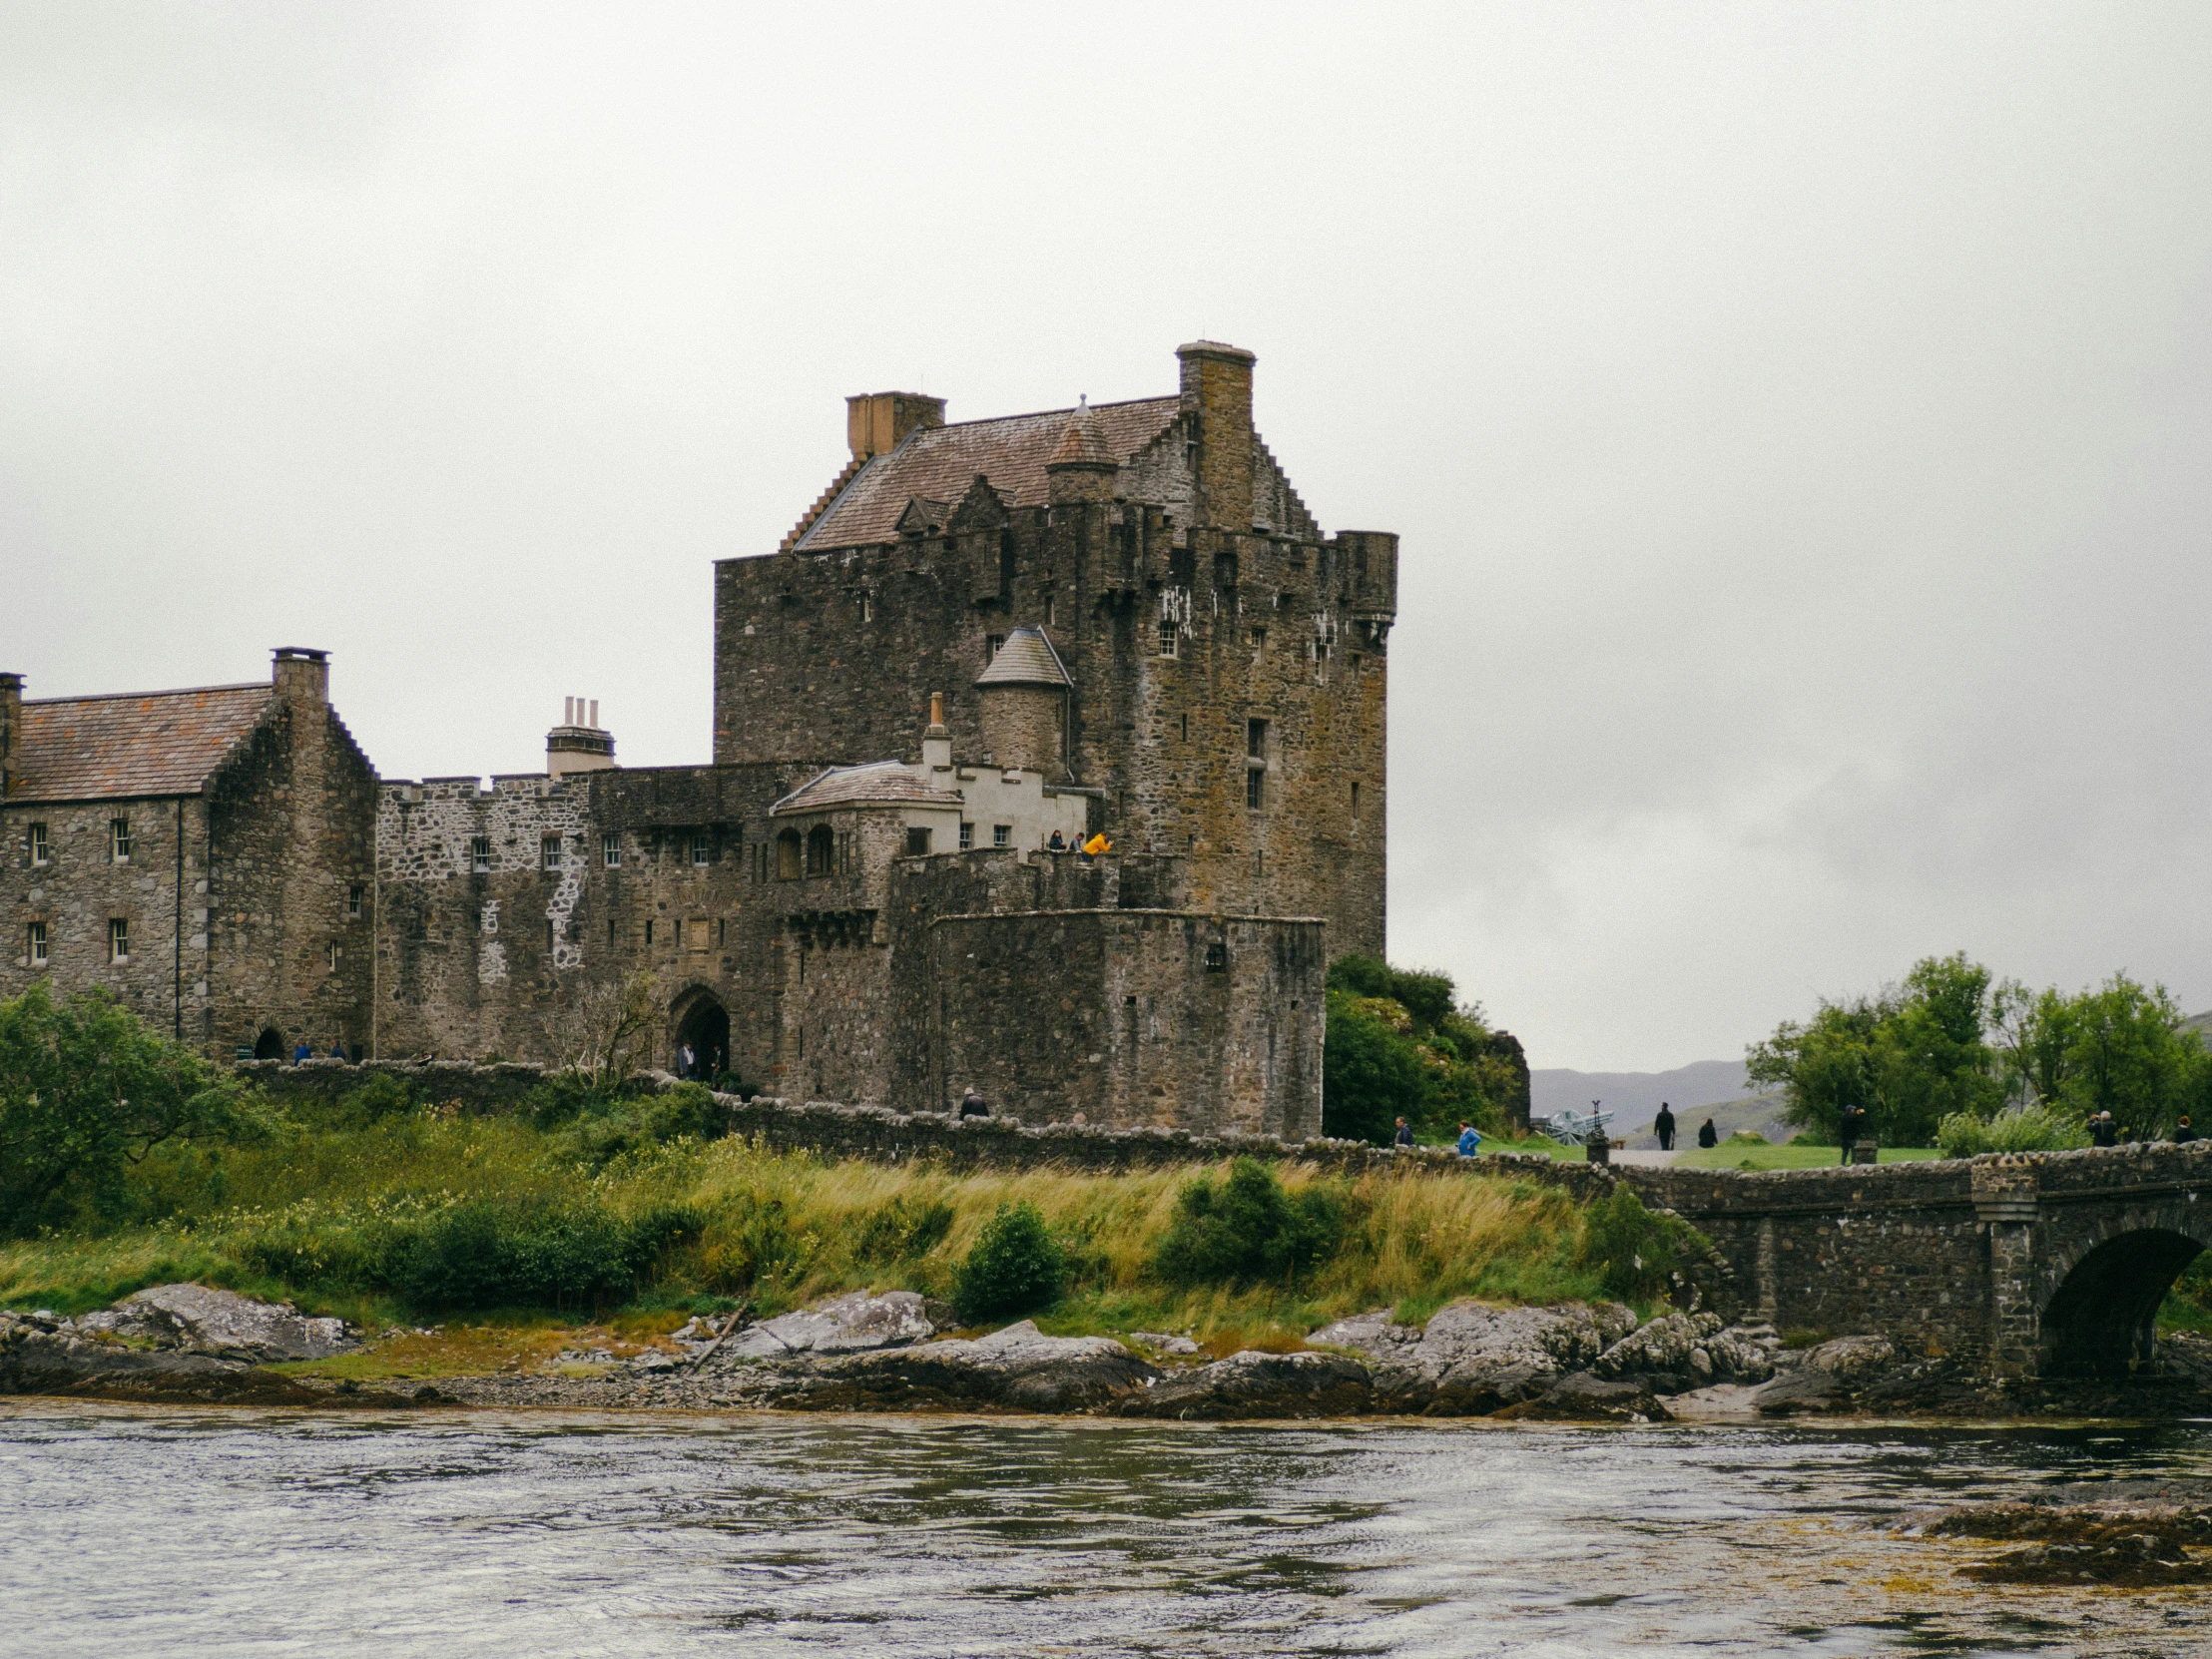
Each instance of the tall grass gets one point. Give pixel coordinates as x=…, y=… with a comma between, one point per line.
x=412, y=1216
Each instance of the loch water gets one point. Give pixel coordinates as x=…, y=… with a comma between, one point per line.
x=142, y=1532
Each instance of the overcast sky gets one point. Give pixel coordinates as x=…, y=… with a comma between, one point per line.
x=1799, y=418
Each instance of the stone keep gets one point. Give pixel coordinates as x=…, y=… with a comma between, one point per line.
x=983, y=635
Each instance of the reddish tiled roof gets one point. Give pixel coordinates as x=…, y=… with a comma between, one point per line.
x=135, y=743
x=939, y=462
x=880, y=782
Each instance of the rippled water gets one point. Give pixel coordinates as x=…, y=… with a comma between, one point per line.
x=127, y=1532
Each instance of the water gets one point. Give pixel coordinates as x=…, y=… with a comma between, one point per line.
x=126, y=1532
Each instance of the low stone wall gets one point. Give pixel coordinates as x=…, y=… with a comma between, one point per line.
x=460, y=1085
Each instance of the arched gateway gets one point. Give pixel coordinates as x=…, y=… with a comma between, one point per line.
x=698, y=1019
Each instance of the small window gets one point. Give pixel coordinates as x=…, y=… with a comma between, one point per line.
x=790, y=859
x=822, y=853
x=1217, y=958
x=993, y=644
x=1186, y=727
x=1002, y=834
x=1051, y=610
x=480, y=853
x=610, y=850
x=353, y=896
x=702, y=846
x=549, y=851
x=1259, y=641
x=917, y=841
x=1255, y=741
x=37, y=944
x=119, y=940
x=119, y=839
x=333, y=956
x=867, y=606
x=1355, y=803
x=38, y=844
x=1256, y=788
x=647, y=929
x=1358, y=665
x=1170, y=640
x=967, y=834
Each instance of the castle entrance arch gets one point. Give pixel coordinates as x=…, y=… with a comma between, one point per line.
x=270, y=1045
x=2102, y=1321
x=698, y=1018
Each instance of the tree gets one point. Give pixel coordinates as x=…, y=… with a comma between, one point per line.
x=87, y=1091
x=608, y=1032
x=1401, y=1044
x=2124, y=1052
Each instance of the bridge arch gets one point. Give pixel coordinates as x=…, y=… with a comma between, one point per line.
x=2098, y=1301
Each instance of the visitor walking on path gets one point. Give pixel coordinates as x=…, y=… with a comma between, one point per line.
x=1664, y=1125
x=1469, y=1139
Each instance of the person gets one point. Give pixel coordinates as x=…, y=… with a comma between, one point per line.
x=1469, y=1139
x=1405, y=1133
x=1855, y=1125
x=2103, y=1131
x=1663, y=1125
x=306, y=1051
x=686, y=1061
x=1707, y=1135
x=1096, y=844
x=337, y=1051
x=1058, y=843
x=973, y=1105
x=2183, y=1131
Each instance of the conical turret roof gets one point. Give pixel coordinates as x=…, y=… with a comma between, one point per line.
x=1027, y=659
x=1084, y=441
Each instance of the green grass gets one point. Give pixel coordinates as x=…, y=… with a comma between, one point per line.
x=1797, y=1155
x=342, y=1220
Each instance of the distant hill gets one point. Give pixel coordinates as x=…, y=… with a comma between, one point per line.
x=1716, y=1089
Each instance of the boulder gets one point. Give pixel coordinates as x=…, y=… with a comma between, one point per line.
x=50, y=1357
x=1018, y=1368
x=1664, y=1344
x=220, y=1324
x=1744, y=1352
x=1853, y=1360
x=851, y=1323
x=1472, y=1358
x=1800, y=1390
x=1583, y=1396
x=1255, y=1384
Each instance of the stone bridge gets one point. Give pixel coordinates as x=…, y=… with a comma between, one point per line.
x=2026, y=1264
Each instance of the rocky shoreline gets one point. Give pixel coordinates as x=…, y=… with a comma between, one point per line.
x=895, y=1352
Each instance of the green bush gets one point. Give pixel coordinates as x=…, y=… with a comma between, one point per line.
x=900, y=1231
x=1248, y=1230
x=1016, y=1266
x=604, y=1130
x=758, y=1247
x=1633, y=1252
x=383, y=1096
x=2023, y=1128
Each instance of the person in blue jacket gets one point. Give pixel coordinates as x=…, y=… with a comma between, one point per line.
x=1469, y=1138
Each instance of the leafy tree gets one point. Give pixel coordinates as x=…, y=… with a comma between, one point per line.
x=2121, y=1050
x=1015, y=1266
x=1401, y=1044
x=86, y=1091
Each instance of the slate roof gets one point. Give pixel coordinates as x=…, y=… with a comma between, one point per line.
x=130, y=744
x=1027, y=659
x=938, y=463
x=880, y=782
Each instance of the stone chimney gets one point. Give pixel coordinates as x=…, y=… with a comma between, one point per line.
x=579, y=743
x=936, y=740
x=877, y=423
x=1083, y=468
x=301, y=674
x=1217, y=403
x=11, y=728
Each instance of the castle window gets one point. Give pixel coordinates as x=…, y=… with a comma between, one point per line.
x=36, y=941
x=967, y=834
x=38, y=844
x=917, y=841
x=992, y=644
x=700, y=847
x=867, y=606
x=1169, y=639
x=353, y=897
x=1217, y=958
x=549, y=851
x=1051, y=611
x=821, y=856
x=119, y=839
x=119, y=940
x=480, y=853
x=1255, y=741
x=1256, y=789
x=1186, y=727
x=1256, y=763
x=610, y=850
x=649, y=930
x=332, y=953
x=788, y=856
x=1259, y=641
x=1002, y=834
x=1006, y=564
x=1355, y=803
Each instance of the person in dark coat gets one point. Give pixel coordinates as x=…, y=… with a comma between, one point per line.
x=1707, y=1135
x=2103, y=1131
x=2183, y=1131
x=1663, y=1125
x=973, y=1105
x=1405, y=1132
x=1855, y=1125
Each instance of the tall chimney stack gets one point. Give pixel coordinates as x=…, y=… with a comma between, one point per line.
x=936, y=740
x=11, y=728
x=1217, y=401
x=300, y=673
x=574, y=745
x=877, y=422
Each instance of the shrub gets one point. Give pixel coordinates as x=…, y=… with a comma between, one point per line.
x=1248, y=1229
x=2023, y=1128
x=604, y=1130
x=383, y=1096
x=900, y=1231
x=1016, y=1266
x=489, y=1255
x=1633, y=1252
x=760, y=1246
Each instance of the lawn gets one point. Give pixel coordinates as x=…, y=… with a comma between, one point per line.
x=1797, y=1155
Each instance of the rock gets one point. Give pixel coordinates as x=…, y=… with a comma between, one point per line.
x=1662, y=1345
x=1701, y=1366
x=854, y=1322
x=1805, y=1388
x=198, y=1320
x=1252, y=1384
x=1159, y=1342
x=1723, y=1401
x=1473, y=1359
x=1583, y=1396
x=1744, y=1352
x=1852, y=1360
x=1018, y=1368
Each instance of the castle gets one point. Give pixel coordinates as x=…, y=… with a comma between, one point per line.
x=985, y=642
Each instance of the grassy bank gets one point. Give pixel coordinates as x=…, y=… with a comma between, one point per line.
x=491, y=1224
x=1797, y=1155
